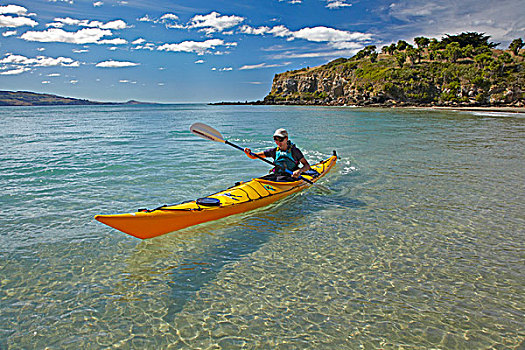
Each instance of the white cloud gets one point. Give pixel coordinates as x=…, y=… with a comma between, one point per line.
x=13, y=9
x=336, y=38
x=246, y=29
x=9, y=33
x=280, y=31
x=316, y=34
x=39, y=61
x=14, y=71
x=168, y=19
x=325, y=34
x=46, y=82
x=12, y=22
x=346, y=45
x=169, y=16
x=116, y=41
x=145, y=18
x=262, y=65
x=80, y=51
x=54, y=75
x=116, y=64
x=199, y=62
x=147, y=46
x=404, y=11
x=225, y=69
x=335, y=4
x=126, y=81
x=83, y=36
x=214, y=22
x=199, y=47
x=98, y=4
x=115, y=25
x=17, y=64
x=277, y=31
x=73, y=81
x=210, y=23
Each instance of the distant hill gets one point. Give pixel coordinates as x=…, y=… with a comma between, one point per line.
x=26, y=98
x=461, y=70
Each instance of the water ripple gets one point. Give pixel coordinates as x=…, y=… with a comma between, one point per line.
x=418, y=243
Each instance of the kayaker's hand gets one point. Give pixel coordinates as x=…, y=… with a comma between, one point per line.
x=249, y=153
x=297, y=173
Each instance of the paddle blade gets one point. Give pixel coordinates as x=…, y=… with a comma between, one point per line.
x=206, y=132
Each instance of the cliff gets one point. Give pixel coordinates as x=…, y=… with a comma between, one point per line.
x=496, y=79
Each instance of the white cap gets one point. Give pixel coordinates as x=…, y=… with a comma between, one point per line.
x=280, y=133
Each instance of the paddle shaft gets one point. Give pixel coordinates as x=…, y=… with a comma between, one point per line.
x=253, y=154
x=265, y=160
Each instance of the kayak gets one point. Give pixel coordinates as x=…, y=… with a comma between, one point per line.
x=242, y=197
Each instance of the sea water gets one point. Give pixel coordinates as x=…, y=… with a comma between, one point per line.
x=418, y=243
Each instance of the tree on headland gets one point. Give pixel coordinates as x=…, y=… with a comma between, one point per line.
x=483, y=59
x=369, y=50
x=468, y=51
x=516, y=45
x=373, y=57
x=453, y=52
x=433, y=47
x=413, y=54
x=402, y=45
x=422, y=42
x=472, y=38
x=392, y=48
x=450, y=48
x=401, y=58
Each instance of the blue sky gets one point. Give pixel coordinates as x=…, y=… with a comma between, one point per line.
x=209, y=51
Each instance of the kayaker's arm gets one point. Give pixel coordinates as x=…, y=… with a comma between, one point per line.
x=305, y=167
x=253, y=155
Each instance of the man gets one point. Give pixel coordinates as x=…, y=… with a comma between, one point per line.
x=286, y=156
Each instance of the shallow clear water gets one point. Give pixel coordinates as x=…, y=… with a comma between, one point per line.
x=418, y=244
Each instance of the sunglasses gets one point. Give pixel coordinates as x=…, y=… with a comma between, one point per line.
x=279, y=138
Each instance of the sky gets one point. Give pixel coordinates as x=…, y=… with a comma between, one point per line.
x=193, y=51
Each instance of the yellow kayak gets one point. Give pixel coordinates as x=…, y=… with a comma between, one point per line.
x=242, y=197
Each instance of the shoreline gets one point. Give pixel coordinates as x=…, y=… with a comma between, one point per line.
x=482, y=109
x=506, y=109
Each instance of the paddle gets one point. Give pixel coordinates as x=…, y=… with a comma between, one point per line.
x=209, y=133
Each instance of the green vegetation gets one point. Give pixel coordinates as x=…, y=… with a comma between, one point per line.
x=462, y=69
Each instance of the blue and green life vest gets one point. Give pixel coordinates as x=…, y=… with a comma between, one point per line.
x=284, y=159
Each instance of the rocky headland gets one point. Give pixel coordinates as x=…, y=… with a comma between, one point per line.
x=458, y=71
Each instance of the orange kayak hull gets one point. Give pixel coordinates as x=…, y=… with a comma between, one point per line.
x=238, y=199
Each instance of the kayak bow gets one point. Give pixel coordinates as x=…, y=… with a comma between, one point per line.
x=242, y=197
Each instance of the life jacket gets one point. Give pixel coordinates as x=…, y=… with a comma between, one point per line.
x=284, y=159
